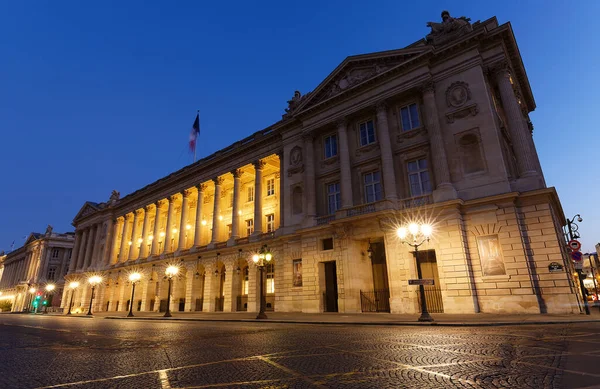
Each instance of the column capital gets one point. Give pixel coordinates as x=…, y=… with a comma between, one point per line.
x=218, y=180
x=185, y=193
x=308, y=137
x=341, y=122
x=259, y=164
x=148, y=207
x=201, y=187
x=159, y=204
x=127, y=216
x=172, y=198
x=138, y=212
x=500, y=69
x=381, y=106
x=237, y=173
x=428, y=87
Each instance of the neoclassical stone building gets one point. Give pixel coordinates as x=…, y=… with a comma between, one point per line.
x=436, y=131
x=43, y=259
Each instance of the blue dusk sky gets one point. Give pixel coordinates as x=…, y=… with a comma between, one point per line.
x=96, y=96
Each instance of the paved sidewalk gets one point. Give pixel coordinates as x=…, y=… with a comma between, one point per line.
x=441, y=319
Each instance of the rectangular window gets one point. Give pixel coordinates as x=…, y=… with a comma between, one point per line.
x=55, y=253
x=490, y=255
x=270, y=187
x=297, y=272
x=410, y=117
x=418, y=178
x=228, y=231
x=333, y=197
x=372, y=183
x=367, y=133
x=250, y=193
x=51, y=273
x=331, y=146
x=270, y=222
x=249, y=227
x=245, y=283
x=327, y=244
x=270, y=270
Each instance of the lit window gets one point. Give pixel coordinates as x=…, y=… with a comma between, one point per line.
x=249, y=227
x=51, y=273
x=55, y=253
x=367, y=133
x=250, y=193
x=410, y=117
x=245, y=282
x=372, y=187
x=270, y=187
x=270, y=222
x=331, y=146
x=333, y=197
x=418, y=177
x=270, y=269
x=229, y=231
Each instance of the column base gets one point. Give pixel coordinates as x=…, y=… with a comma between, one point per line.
x=529, y=181
x=444, y=192
x=211, y=245
x=231, y=241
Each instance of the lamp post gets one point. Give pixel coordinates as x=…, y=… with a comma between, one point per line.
x=134, y=278
x=49, y=288
x=261, y=259
x=93, y=281
x=72, y=285
x=420, y=234
x=169, y=274
x=573, y=233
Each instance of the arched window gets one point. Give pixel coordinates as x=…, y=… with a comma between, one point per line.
x=270, y=270
x=245, y=282
x=472, y=159
x=297, y=200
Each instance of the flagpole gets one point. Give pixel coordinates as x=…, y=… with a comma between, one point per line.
x=196, y=144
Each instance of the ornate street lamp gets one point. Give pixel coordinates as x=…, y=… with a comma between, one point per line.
x=93, y=281
x=72, y=285
x=169, y=274
x=420, y=234
x=573, y=233
x=49, y=288
x=134, y=278
x=261, y=260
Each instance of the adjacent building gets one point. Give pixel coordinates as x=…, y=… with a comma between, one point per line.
x=26, y=272
x=436, y=132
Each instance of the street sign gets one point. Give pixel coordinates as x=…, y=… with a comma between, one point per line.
x=425, y=281
x=574, y=245
x=577, y=256
x=578, y=265
x=555, y=267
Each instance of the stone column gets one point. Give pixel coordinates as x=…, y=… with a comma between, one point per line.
x=122, y=297
x=229, y=297
x=281, y=191
x=145, y=285
x=134, y=232
x=111, y=298
x=108, y=242
x=310, y=204
x=81, y=252
x=182, y=224
x=96, y=253
x=145, y=226
x=345, y=168
x=89, y=250
x=114, y=255
x=387, y=157
x=216, y=211
x=258, y=197
x=156, y=235
x=169, y=228
x=235, y=216
x=208, y=302
x=124, y=239
x=189, y=284
x=444, y=189
x=198, y=227
x=516, y=123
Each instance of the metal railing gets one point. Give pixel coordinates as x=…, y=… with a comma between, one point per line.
x=361, y=210
x=375, y=301
x=433, y=296
x=414, y=202
x=322, y=220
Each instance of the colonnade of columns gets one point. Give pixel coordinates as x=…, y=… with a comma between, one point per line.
x=88, y=250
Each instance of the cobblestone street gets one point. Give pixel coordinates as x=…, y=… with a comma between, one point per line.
x=60, y=352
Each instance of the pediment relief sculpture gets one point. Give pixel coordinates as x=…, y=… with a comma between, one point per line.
x=449, y=29
x=296, y=165
x=294, y=103
x=353, y=77
x=457, y=94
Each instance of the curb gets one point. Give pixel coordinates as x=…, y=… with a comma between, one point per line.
x=433, y=324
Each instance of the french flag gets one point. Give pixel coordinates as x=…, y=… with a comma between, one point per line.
x=195, y=133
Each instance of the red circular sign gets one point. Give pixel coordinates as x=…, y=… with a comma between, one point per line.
x=574, y=244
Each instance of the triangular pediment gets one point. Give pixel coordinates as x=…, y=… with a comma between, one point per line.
x=87, y=209
x=32, y=237
x=357, y=70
